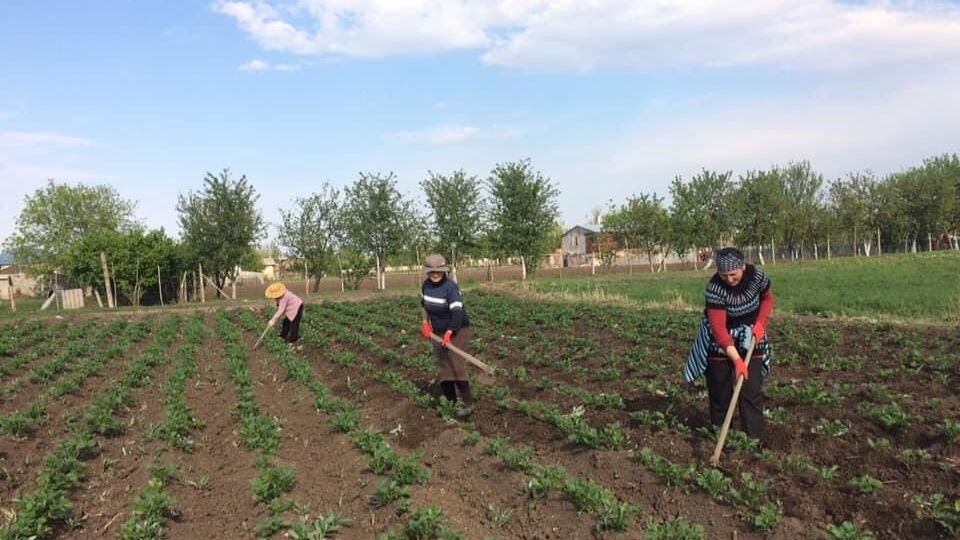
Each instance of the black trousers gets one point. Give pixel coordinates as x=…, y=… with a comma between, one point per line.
x=720, y=382
x=290, y=330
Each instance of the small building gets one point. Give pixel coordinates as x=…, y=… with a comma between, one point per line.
x=269, y=268
x=580, y=240
x=13, y=281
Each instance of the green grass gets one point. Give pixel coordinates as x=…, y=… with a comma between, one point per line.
x=923, y=286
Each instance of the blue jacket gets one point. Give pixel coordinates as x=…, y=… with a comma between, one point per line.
x=444, y=304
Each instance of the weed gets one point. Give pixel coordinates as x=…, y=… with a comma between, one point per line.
x=270, y=526
x=848, y=531
x=939, y=508
x=387, y=492
x=767, y=517
x=408, y=471
x=911, y=458
x=950, y=429
x=827, y=473
x=543, y=479
x=345, y=421
x=517, y=458
x=471, y=439
x=830, y=428
x=879, y=443
x=200, y=484
x=677, y=528
x=272, y=482
x=866, y=484
x=713, y=482
x=585, y=494
x=497, y=517
x=321, y=527
x=616, y=516
x=424, y=523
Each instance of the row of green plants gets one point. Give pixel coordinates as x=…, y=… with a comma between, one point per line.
x=80, y=354
x=889, y=415
x=42, y=511
x=152, y=504
x=585, y=494
x=24, y=343
x=399, y=473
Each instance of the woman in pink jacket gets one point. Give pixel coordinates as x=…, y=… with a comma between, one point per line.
x=290, y=307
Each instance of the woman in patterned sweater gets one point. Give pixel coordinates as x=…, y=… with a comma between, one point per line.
x=738, y=305
x=443, y=313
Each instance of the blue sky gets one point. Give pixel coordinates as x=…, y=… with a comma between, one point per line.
x=608, y=98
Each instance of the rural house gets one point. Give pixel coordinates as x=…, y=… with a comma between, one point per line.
x=580, y=243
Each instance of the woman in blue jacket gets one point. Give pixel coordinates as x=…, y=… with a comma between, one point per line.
x=444, y=314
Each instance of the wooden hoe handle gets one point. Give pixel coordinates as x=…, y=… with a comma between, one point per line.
x=715, y=459
x=259, y=339
x=465, y=355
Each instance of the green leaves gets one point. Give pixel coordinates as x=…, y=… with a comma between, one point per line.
x=58, y=216
x=310, y=228
x=376, y=219
x=523, y=211
x=220, y=224
x=457, y=211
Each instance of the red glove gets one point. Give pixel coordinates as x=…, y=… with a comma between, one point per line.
x=447, y=336
x=426, y=330
x=759, y=331
x=740, y=369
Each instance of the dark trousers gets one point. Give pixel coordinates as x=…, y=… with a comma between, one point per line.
x=290, y=331
x=720, y=382
x=452, y=388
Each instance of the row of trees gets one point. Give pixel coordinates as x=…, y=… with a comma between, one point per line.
x=352, y=233
x=369, y=224
x=790, y=210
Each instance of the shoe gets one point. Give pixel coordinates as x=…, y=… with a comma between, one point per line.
x=465, y=411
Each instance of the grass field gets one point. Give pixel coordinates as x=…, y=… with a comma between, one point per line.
x=923, y=286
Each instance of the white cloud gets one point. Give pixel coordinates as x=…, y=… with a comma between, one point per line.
x=452, y=134
x=435, y=136
x=569, y=35
x=377, y=28
x=255, y=65
x=260, y=65
x=838, y=132
x=34, y=138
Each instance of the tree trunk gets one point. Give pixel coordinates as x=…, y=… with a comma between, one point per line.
x=379, y=269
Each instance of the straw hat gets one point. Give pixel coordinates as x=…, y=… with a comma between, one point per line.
x=435, y=263
x=275, y=290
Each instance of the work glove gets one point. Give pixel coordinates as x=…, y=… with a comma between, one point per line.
x=425, y=329
x=759, y=331
x=740, y=369
x=447, y=337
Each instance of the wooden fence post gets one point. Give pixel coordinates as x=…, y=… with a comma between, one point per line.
x=106, y=280
x=159, y=286
x=203, y=295
x=13, y=303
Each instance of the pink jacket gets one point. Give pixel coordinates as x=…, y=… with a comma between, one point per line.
x=288, y=305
